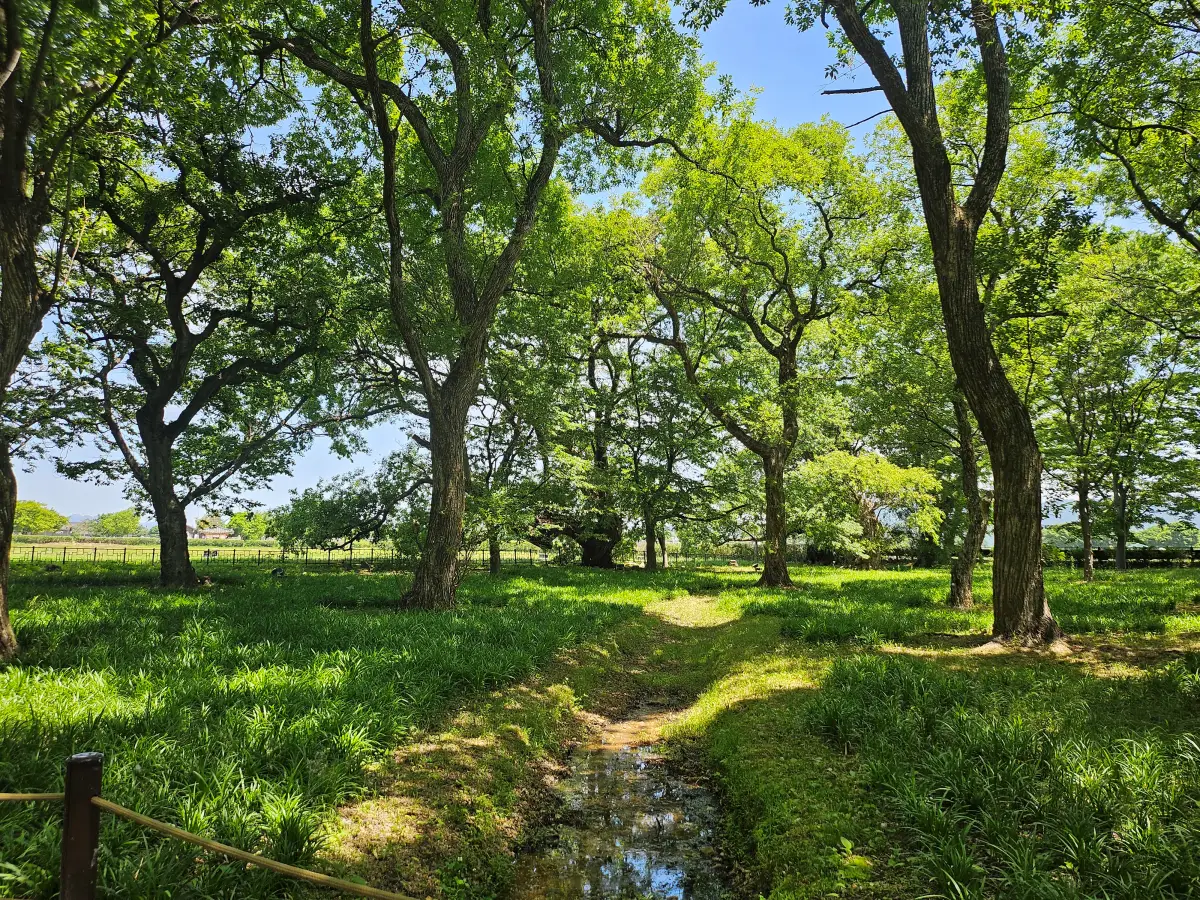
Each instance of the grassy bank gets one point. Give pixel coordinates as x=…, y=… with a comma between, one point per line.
x=864, y=739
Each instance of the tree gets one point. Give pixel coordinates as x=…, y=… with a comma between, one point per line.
x=37, y=518
x=60, y=64
x=907, y=405
x=355, y=507
x=1119, y=395
x=926, y=34
x=210, y=310
x=758, y=243
x=1122, y=76
x=249, y=525
x=668, y=448
x=126, y=523
x=468, y=109
x=861, y=504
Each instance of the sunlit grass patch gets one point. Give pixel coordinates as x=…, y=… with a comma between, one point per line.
x=247, y=712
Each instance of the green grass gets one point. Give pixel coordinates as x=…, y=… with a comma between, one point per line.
x=861, y=747
x=1032, y=781
x=247, y=711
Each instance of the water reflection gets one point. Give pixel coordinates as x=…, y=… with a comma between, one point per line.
x=632, y=829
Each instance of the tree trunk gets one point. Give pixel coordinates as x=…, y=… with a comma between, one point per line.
x=175, y=561
x=651, y=542
x=597, y=552
x=1085, y=527
x=962, y=572
x=1121, y=522
x=662, y=546
x=775, y=570
x=22, y=308
x=1019, y=607
x=8, y=508
x=435, y=581
x=493, y=552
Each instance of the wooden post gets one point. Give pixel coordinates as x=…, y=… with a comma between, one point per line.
x=81, y=827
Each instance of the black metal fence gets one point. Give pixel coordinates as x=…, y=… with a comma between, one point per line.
x=385, y=558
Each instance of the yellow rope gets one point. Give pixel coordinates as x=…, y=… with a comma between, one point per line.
x=254, y=859
x=31, y=798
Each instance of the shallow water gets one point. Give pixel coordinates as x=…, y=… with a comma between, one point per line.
x=631, y=827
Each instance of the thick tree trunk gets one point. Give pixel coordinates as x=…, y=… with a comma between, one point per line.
x=1085, y=527
x=962, y=572
x=651, y=538
x=175, y=561
x=435, y=581
x=493, y=552
x=1019, y=607
x=22, y=308
x=597, y=552
x=775, y=570
x=8, y=505
x=1121, y=523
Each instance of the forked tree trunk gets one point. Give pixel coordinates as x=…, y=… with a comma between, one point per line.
x=1085, y=527
x=435, y=581
x=662, y=546
x=8, y=507
x=1019, y=607
x=775, y=570
x=1019, y=603
x=493, y=552
x=651, y=538
x=962, y=572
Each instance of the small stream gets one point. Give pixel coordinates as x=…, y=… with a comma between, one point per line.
x=631, y=827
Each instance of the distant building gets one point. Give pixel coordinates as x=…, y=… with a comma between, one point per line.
x=214, y=534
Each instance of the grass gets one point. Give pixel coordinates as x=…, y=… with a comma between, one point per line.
x=862, y=742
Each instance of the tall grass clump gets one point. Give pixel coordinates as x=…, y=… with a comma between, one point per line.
x=1024, y=782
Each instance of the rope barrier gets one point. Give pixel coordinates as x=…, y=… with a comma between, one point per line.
x=31, y=798
x=348, y=887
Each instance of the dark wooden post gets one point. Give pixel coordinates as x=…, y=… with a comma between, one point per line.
x=81, y=827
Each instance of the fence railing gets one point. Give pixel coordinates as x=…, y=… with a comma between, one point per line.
x=82, y=804
x=371, y=556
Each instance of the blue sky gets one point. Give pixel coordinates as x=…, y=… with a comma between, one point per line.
x=753, y=45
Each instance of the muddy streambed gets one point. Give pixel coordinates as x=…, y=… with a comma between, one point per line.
x=631, y=827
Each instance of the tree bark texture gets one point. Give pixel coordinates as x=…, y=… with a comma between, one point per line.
x=1121, y=522
x=962, y=572
x=775, y=570
x=22, y=308
x=435, y=581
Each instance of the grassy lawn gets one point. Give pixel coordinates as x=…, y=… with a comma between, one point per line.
x=865, y=740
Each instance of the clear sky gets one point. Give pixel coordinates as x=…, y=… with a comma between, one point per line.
x=753, y=45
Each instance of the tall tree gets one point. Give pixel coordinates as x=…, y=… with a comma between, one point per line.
x=469, y=108
x=761, y=239
x=60, y=64
x=970, y=29
x=208, y=299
